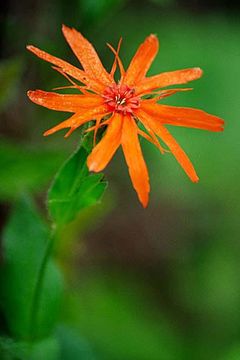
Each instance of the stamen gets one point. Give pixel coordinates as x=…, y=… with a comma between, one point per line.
x=121, y=98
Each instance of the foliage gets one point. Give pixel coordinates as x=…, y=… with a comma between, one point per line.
x=24, y=243
x=167, y=291
x=74, y=188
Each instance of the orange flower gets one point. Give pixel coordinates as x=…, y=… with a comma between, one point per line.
x=121, y=106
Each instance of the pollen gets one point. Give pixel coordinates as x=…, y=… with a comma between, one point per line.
x=121, y=98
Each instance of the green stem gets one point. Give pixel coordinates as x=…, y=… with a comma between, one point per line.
x=39, y=285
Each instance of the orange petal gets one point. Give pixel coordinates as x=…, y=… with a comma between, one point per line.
x=168, y=92
x=169, y=140
x=62, y=102
x=97, y=125
x=151, y=140
x=181, y=116
x=167, y=79
x=135, y=161
x=141, y=61
x=105, y=149
x=117, y=58
x=65, y=66
x=77, y=120
x=87, y=56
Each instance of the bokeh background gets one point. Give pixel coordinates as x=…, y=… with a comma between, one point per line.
x=155, y=284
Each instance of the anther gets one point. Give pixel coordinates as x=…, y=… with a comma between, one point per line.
x=121, y=98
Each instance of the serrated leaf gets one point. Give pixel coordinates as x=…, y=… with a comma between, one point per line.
x=24, y=244
x=74, y=188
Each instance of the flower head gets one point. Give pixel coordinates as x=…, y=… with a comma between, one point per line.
x=121, y=106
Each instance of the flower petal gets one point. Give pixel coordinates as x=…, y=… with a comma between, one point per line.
x=87, y=56
x=65, y=66
x=181, y=116
x=135, y=161
x=78, y=119
x=141, y=61
x=105, y=149
x=169, y=140
x=167, y=79
x=168, y=92
x=62, y=102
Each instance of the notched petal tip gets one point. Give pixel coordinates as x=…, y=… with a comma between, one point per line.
x=37, y=96
x=144, y=203
x=153, y=37
x=29, y=93
x=91, y=166
x=198, y=71
x=53, y=130
x=47, y=133
x=33, y=94
x=66, y=28
x=70, y=131
x=195, y=180
x=153, y=41
x=31, y=48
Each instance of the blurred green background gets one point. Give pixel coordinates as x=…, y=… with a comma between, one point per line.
x=155, y=284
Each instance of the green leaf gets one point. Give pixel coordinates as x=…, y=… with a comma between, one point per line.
x=74, y=188
x=24, y=244
x=25, y=169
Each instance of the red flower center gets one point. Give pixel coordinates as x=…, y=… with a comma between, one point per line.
x=121, y=98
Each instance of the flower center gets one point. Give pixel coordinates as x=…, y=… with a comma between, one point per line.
x=121, y=98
